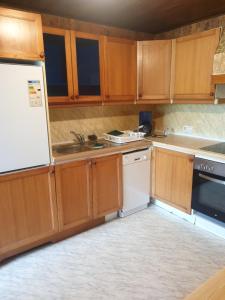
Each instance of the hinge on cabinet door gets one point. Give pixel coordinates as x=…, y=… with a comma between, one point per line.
x=52, y=169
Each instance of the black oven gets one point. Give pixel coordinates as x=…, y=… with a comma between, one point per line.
x=208, y=190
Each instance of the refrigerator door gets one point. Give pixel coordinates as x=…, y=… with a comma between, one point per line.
x=23, y=123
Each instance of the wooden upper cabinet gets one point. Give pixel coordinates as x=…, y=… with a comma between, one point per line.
x=58, y=65
x=120, y=69
x=87, y=67
x=74, y=194
x=27, y=209
x=154, y=71
x=194, y=66
x=20, y=35
x=172, y=178
x=107, y=185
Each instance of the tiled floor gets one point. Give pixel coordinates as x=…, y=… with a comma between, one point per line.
x=149, y=255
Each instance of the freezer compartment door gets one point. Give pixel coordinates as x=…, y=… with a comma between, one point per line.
x=23, y=122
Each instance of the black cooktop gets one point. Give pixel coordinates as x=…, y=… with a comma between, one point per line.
x=217, y=148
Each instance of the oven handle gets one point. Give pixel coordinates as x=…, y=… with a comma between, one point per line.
x=211, y=179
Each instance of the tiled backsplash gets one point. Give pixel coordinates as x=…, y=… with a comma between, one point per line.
x=96, y=119
x=208, y=121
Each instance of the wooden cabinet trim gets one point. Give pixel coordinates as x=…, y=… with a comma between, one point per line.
x=22, y=173
x=198, y=35
x=202, y=92
x=173, y=186
x=118, y=204
x=12, y=180
x=66, y=34
x=100, y=39
x=110, y=97
x=163, y=91
x=22, y=15
x=59, y=168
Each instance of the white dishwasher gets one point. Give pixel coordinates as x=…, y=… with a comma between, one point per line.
x=136, y=181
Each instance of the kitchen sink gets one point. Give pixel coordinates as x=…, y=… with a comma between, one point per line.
x=69, y=148
x=75, y=148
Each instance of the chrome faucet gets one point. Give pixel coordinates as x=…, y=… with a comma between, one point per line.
x=78, y=137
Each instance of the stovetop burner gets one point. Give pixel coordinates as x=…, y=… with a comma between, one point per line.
x=217, y=148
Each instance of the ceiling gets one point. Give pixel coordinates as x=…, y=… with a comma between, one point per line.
x=152, y=16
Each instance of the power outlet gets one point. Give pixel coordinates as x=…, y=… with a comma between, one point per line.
x=187, y=129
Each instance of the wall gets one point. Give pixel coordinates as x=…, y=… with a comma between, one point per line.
x=193, y=28
x=207, y=120
x=72, y=24
x=95, y=119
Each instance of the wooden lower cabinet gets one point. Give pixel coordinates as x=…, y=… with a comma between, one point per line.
x=27, y=210
x=107, y=185
x=88, y=190
x=74, y=194
x=172, y=178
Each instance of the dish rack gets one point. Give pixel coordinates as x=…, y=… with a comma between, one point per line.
x=126, y=137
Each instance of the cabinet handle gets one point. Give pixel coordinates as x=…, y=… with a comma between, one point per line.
x=42, y=55
x=212, y=94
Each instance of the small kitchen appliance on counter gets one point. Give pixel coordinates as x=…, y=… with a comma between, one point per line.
x=145, y=122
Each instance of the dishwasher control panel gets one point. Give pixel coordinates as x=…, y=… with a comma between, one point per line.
x=136, y=156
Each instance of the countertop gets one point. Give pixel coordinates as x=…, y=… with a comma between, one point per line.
x=189, y=145
x=94, y=153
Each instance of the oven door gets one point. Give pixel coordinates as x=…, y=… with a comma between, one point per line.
x=208, y=194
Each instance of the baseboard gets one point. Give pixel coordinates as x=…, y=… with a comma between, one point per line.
x=210, y=225
x=197, y=219
x=175, y=211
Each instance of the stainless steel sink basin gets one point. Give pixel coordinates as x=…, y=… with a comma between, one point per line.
x=69, y=148
x=75, y=148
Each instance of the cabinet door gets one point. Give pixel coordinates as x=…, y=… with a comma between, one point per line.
x=120, y=69
x=154, y=71
x=107, y=185
x=73, y=189
x=27, y=209
x=194, y=66
x=21, y=35
x=172, y=178
x=162, y=174
x=58, y=65
x=182, y=181
x=87, y=65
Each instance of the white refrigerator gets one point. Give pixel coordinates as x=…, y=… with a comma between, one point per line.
x=23, y=120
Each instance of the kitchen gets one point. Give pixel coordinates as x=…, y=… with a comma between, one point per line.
x=81, y=86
